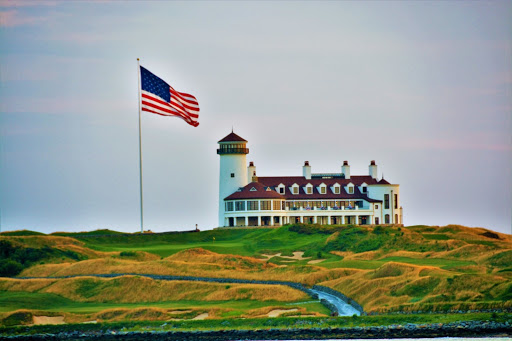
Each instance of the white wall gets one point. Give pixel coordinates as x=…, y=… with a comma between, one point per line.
x=230, y=163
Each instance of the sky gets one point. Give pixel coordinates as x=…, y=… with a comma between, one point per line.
x=423, y=88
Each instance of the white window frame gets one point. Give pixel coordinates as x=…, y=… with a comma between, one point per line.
x=307, y=188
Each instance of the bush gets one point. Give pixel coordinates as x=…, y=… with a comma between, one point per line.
x=128, y=254
x=312, y=228
x=10, y=268
x=17, y=318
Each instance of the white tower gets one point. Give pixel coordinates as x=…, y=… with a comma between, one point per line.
x=233, y=169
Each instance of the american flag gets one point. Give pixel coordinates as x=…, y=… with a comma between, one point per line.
x=160, y=98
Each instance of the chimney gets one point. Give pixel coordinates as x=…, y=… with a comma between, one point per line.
x=251, y=172
x=345, y=169
x=372, y=169
x=306, y=170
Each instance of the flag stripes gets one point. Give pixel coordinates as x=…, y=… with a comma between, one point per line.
x=160, y=98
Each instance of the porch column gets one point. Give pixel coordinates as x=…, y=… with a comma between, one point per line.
x=302, y=219
x=259, y=220
x=246, y=221
x=329, y=220
x=357, y=220
x=315, y=220
x=342, y=219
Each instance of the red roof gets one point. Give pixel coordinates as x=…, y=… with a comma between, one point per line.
x=232, y=137
x=264, y=183
x=255, y=190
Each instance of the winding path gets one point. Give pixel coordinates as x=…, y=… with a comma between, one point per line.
x=342, y=308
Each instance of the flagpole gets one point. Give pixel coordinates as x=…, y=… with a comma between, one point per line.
x=140, y=160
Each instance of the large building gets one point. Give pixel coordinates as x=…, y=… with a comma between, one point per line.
x=333, y=198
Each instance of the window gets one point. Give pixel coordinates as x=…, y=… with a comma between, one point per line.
x=386, y=202
x=322, y=190
x=351, y=190
x=265, y=205
x=376, y=207
x=280, y=190
x=376, y=220
x=295, y=189
x=396, y=219
x=253, y=190
x=229, y=206
x=252, y=205
x=276, y=205
x=309, y=189
x=232, y=175
x=336, y=189
x=364, y=189
x=396, y=200
x=386, y=219
x=239, y=205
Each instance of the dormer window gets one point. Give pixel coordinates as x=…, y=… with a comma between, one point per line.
x=364, y=188
x=280, y=189
x=308, y=189
x=350, y=188
x=268, y=189
x=322, y=188
x=253, y=189
x=295, y=189
x=336, y=188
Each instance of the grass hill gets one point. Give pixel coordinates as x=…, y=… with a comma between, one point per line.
x=384, y=268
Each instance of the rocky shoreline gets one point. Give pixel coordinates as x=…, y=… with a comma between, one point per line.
x=457, y=329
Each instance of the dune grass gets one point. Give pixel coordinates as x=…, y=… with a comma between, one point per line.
x=382, y=268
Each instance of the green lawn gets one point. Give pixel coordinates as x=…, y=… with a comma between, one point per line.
x=10, y=301
x=250, y=242
x=439, y=262
x=258, y=323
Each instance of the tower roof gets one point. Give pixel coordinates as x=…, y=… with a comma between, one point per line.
x=232, y=137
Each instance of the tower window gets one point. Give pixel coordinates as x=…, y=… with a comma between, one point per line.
x=232, y=175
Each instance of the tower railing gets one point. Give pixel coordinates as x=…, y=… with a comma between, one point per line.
x=231, y=150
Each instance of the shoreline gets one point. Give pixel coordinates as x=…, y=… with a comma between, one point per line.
x=455, y=329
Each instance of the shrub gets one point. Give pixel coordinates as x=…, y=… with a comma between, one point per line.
x=312, y=228
x=17, y=318
x=128, y=254
x=10, y=268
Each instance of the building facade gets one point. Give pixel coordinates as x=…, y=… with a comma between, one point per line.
x=328, y=199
